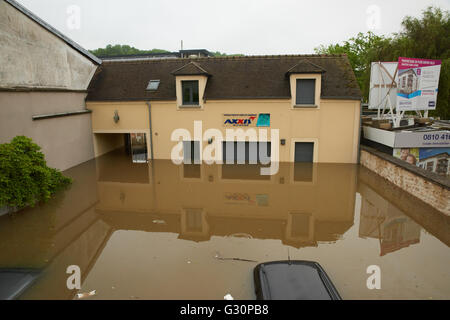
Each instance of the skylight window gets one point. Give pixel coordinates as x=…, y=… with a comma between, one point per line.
x=153, y=85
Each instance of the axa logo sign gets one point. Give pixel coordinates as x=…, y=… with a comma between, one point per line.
x=240, y=121
x=246, y=120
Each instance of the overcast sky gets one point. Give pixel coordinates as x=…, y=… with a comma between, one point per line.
x=231, y=26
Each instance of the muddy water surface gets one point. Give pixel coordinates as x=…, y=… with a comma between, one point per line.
x=160, y=231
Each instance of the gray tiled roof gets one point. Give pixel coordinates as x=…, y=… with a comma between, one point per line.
x=249, y=77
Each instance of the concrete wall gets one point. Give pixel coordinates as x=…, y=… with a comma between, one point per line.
x=65, y=141
x=31, y=56
x=41, y=74
x=334, y=127
x=409, y=178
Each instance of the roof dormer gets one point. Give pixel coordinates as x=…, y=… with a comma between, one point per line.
x=305, y=83
x=190, y=85
x=305, y=66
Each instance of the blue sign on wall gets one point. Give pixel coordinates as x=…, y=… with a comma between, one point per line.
x=263, y=120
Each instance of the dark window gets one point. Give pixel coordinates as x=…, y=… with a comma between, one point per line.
x=190, y=92
x=304, y=152
x=306, y=91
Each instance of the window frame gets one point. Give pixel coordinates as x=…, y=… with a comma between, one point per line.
x=297, y=94
x=191, y=102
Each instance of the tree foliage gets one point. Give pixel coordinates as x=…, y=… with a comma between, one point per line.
x=25, y=178
x=425, y=37
x=121, y=49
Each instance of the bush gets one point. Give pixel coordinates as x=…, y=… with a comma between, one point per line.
x=25, y=178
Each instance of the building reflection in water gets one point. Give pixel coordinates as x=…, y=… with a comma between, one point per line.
x=302, y=205
x=394, y=217
x=200, y=201
x=382, y=220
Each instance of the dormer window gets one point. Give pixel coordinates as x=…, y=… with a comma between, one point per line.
x=190, y=92
x=190, y=82
x=305, y=81
x=306, y=92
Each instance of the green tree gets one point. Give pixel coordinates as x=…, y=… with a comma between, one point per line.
x=361, y=51
x=424, y=37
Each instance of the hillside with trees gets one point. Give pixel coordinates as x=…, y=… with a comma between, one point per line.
x=122, y=50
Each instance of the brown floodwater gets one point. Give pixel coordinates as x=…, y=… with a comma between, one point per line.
x=161, y=231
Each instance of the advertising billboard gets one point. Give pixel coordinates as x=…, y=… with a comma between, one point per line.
x=383, y=85
x=417, y=83
x=427, y=139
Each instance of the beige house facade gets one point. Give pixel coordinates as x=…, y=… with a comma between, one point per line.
x=313, y=101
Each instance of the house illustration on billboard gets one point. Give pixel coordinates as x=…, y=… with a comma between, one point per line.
x=437, y=162
x=407, y=81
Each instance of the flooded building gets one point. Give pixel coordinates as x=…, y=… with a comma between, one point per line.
x=313, y=100
x=44, y=78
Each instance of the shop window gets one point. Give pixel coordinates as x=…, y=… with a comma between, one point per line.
x=246, y=152
x=191, y=152
x=190, y=93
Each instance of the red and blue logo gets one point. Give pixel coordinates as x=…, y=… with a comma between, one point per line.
x=246, y=120
x=240, y=121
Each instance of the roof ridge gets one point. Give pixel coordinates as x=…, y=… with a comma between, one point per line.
x=249, y=57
